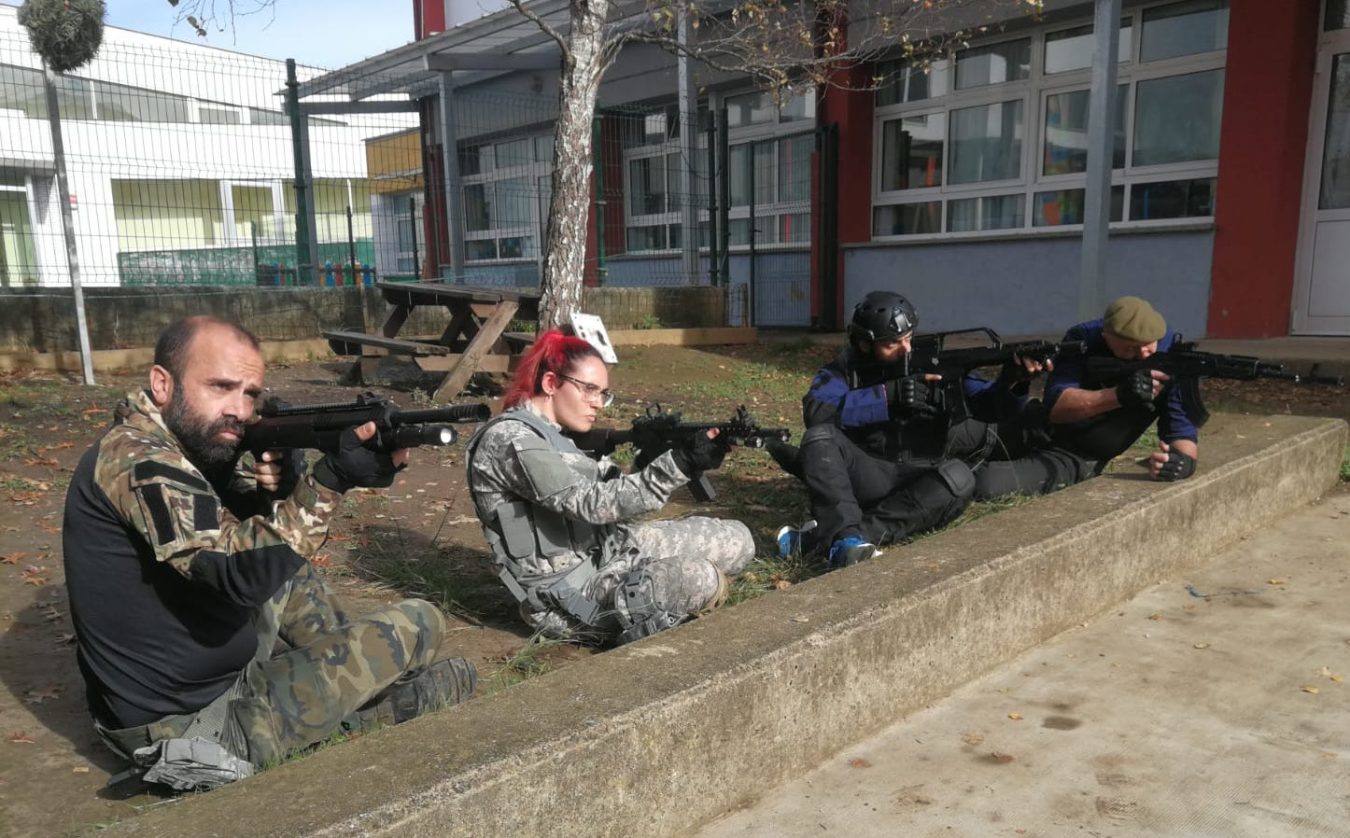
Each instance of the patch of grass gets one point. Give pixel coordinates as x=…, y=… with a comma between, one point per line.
x=771, y=573
x=1345, y=465
x=432, y=574
x=648, y=321
x=529, y=662
x=14, y=483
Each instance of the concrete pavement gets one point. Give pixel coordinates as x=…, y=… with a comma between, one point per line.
x=1211, y=704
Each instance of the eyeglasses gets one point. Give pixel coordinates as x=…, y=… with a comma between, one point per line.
x=591, y=392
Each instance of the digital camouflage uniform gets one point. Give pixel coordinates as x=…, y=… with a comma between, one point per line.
x=181, y=553
x=686, y=562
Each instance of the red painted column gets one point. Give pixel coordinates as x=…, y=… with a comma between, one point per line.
x=1263, y=142
x=848, y=103
x=428, y=17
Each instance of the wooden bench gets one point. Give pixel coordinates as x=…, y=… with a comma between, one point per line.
x=475, y=341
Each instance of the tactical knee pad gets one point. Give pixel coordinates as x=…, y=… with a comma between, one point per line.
x=642, y=601
x=958, y=478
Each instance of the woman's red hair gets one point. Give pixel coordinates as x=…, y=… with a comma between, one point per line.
x=552, y=352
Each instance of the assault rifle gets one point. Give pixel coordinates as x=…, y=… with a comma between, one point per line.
x=929, y=355
x=1186, y=366
x=657, y=431
x=320, y=426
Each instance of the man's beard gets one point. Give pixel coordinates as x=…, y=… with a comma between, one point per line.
x=197, y=435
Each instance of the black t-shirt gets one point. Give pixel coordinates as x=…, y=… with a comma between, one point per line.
x=152, y=643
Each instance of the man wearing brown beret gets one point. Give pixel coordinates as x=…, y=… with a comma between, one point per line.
x=1094, y=421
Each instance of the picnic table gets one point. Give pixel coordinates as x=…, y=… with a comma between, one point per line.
x=475, y=341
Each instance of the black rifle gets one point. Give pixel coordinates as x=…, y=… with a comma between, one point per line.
x=320, y=426
x=657, y=431
x=1186, y=366
x=929, y=355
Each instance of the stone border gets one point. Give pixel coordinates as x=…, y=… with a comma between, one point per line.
x=663, y=735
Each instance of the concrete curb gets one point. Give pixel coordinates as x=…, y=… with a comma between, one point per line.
x=665, y=734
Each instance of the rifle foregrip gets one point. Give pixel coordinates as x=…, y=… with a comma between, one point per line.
x=701, y=489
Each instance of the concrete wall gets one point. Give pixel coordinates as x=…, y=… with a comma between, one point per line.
x=782, y=295
x=130, y=317
x=1030, y=286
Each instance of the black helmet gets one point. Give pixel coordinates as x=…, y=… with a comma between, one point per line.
x=882, y=316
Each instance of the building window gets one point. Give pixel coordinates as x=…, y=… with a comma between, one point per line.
x=993, y=64
x=1184, y=29
x=763, y=150
x=1004, y=149
x=505, y=188
x=1177, y=118
x=1065, y=132
x=1071, y=49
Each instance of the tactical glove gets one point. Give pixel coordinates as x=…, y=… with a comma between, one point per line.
x=1136, y=390
x=700, y=454
x=353, y=465
x=1179, y=466
x=914, y=398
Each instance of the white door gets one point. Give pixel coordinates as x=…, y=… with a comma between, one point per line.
x=1322, y=290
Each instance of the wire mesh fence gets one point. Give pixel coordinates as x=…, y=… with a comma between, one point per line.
x=182, y=164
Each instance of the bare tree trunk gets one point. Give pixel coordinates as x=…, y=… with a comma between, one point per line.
x=569, y=208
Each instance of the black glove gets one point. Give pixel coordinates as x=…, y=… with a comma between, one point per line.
x=1179, y=466
x=914, y=398
x=1136, y=390
x=354, y=465
x=699, y=454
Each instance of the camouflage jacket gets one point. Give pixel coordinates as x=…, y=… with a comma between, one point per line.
x=168, y=502
x=598, y=492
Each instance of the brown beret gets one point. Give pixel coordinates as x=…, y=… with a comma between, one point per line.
x=1134, y=319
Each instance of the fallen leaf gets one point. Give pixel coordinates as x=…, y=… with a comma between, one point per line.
x=13, y=558
x=1277, y=581
x=65, y=639
x=1155, y=616
x=1001, y=758
x=80, y=769
x=20, y=737
x=47, y=693
x=781, y=585
x=800, y=619
x=321, y=560
x=859, y=762
x=972, y=738
x=1308, y=688
x=1201, y=645
x=1017, y=717
x=49, y=529
x=1337, y=678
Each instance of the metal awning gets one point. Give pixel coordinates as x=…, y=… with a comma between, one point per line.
x=501, y=42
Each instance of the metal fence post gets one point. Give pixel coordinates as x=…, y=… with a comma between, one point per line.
x=304, y=199
x=68, y=222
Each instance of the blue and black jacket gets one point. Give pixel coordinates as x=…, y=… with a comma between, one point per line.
x=1174, y=420
x=850, y=393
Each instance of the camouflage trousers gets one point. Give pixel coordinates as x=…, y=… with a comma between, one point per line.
x=689, y=561
x=333, y=668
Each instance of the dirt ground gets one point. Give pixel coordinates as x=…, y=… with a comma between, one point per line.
x=418, y=539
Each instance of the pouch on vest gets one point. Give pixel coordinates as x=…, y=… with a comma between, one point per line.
x=190, y=764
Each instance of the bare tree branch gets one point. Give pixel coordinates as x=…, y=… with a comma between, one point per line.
x=544, y=26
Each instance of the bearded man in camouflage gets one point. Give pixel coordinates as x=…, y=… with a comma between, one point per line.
x=561, y=524
x=185, y=564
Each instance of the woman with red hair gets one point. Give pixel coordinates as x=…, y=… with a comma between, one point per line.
x=559, y=522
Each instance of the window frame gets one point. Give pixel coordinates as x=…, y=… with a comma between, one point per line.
x=1034, y=92
x=761, y=132
x=491, y=178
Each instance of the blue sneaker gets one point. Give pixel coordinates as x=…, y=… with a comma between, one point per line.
x=790, y=539
x=850, y=550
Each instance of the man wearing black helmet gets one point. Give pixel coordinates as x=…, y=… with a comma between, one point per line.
x=879, y=458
